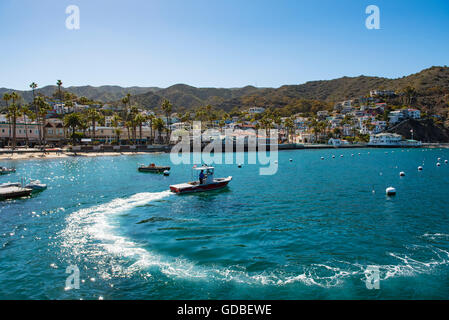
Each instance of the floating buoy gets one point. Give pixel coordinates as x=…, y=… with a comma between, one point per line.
x=291, y=160
x=402, y=174
x=333, y=157
x=166, y=173
x=445, y=161
x=419, y=168
x=438, y=164
x=352, y=155
x=322, y=158
x=341, y=156
x=239, y=165
x=359, y=153
x=439, y=159
x=390, y=191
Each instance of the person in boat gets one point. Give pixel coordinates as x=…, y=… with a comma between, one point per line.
x=201, y=177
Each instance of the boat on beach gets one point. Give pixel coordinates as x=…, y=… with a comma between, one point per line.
x=152, y=168
x=206, y=182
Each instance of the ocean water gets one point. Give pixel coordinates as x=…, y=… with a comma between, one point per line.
x=308, y=232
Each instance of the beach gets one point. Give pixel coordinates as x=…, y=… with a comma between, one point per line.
x=62, y=155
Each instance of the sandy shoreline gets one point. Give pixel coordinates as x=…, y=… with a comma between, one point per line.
x=62, y=155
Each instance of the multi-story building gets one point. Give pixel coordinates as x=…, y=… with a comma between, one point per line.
x=385, y=139
x=256, y=110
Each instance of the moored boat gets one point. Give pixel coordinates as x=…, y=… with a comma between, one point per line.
x=36, y=185
x=4, y=170
x=206, y=182
x=153, y=168
x=14, y=192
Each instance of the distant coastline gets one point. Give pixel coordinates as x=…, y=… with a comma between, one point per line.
x=35, y=154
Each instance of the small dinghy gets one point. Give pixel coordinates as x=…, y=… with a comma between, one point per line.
x=153, y=168
x=4, y=170
x=206, y=182
x=36, y=185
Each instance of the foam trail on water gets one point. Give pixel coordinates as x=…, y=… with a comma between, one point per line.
x=90, y=236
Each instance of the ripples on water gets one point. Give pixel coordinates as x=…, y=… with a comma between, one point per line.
x=309, y=232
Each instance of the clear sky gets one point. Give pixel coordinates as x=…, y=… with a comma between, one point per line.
x=209, y=43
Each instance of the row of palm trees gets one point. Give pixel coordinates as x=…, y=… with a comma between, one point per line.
x=16, y=108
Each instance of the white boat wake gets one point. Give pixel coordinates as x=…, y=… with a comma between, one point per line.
x=90, y=236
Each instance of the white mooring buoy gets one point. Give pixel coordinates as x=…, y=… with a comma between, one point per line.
x=445, y=161
x=239, y=165
x=166, y=173
x=438, y=164
x=402, y=174
x=291, y=160
x=333, y=157
x=390, y=191
x=419, y=168
x=322, y=158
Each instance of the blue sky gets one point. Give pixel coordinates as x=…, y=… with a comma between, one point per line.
x=210, y=43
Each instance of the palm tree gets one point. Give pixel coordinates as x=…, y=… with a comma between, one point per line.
x=151, y=118
x=7, y=97
x=118, y=132
x=158, y=124
x=115, y=123
x=289, y=124
x=26, y=112
x=43, y=107
x=128, y=125
x=72, y=120
x=410, y=94
x=14, y=111
x=59, y=84
x=139, y=119
x=93, y=116
x=33, y=87
x=126, y=101
x=167, y=109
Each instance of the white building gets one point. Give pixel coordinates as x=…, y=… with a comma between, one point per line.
x=381, y=93
x=256, y=110
x=385, y=139
x=396, y=116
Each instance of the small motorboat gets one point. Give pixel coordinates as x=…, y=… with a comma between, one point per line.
x=4, y=170
x=207, y=182
x=36, y=185
x=153, y=168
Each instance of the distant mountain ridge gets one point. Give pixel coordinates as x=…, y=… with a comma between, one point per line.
x=432, y=86
x=103, y=93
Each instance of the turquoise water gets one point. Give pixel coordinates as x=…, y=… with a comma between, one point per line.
x=308, y=232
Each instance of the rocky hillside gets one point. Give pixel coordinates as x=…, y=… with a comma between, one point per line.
x=431, y=85
x=423, y=130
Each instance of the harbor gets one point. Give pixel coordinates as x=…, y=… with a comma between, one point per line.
x=305, y=232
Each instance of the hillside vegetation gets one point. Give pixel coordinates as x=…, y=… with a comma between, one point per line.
x=431, y=86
